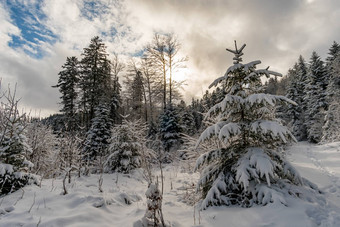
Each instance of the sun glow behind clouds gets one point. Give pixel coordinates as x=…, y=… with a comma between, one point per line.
x=181, y=74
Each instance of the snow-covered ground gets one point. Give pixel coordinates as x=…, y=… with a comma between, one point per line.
x=123, y=201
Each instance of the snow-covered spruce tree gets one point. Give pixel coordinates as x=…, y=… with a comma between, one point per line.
x=186, y=119
x=94, y=81
x=248, y=167
x=315, y=98
x=14, y=149
x=293, y=111
x=97, y=138
x=334, y=51
x=197, y=110
x=67, y=84
x=331, y=130
x=296, y=92
x=188, y=122
x=127, y=147
x=170, y=129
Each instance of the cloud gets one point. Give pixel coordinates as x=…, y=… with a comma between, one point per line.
x=276, y=32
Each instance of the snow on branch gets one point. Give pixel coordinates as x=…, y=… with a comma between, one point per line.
x=263, y=163
x=214, y=195
x=272, y=127
x=229, y=130
x=267, y=72
x=290, y=170
x=251, y=65
x=207, y=157
x=262, y=98
x=230, y=69
x=212, y=130
x=255, y=164
x=227, y=101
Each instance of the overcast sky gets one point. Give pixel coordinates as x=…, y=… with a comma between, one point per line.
x=36, y=36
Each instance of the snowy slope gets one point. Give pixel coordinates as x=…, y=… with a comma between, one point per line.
x=123, y=202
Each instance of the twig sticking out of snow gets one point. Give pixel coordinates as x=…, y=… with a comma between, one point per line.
x=22, y=196
x=39, y=222
x=29, y=211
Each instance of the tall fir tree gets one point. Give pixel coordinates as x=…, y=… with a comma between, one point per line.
x=248, y=167
x=170, y=129
x=67, y=84
x=138, y=95
x=301, y=92
x=197, y=111
x=331, y=131
x=97, y=137
x=296, y=92
x=315, y=98
x=95, y=78
x=186, y=119
x=294, y=112
x=333, y=52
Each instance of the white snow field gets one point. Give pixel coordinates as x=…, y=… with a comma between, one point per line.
x=122, y=203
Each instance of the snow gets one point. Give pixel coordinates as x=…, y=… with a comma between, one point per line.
x=123, y=201
x=276, y=129
x=5, y=168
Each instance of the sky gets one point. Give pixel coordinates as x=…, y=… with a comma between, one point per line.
x=36, y=36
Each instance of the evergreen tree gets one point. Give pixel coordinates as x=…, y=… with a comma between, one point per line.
x=301, y=94
x=138, y=94
x=315, y=98
x=197, y=110
x=296, y=92
x=14, y=148
x=248, y=167
x=67, y=84
x=97, y=138
x=127, y=146
x=170, y=129
x=95, y=78
x=294, y=112
x=334, y=51
x=135, y=94
x=331, y=131
x=272, y=86
x=186, y=117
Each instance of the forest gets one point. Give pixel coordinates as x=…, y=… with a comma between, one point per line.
x=120, y=116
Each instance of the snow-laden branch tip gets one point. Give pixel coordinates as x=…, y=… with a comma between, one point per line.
x=274, y=128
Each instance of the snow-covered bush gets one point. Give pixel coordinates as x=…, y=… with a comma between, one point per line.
x=153, y=215
x=69, y=157
x=44, y=150
x=247, y=166
x=128, y=146
x=14, y=149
